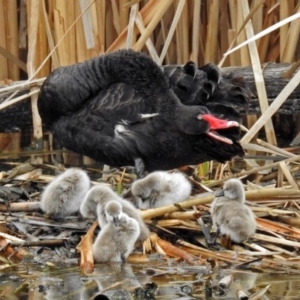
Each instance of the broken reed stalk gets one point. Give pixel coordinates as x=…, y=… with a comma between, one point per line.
x=131, y=26
x=294, y=221
x=147, y=12
x=163, y=247
x=274, y=240
x=283, y=30
x=140, y=24
x=172, y=30
x=85, y=249
x=245, y=61
x=33, y=21
x=116, y=16
x=282, y=229
x=275, y=149
x=195, y=34
x=288, y=175
x=258, y=75
x=292, y=39
x=12, y=45
x=20, y=207
x=124, y=12
x=152, y=24
x=54, y=56
x=211, y=45
x=3, y=60
x=41, y=243
x=272, y=165
x=273, y=193
x=18, y=99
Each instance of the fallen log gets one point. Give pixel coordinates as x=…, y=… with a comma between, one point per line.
x=274, y=81
x=19, y=115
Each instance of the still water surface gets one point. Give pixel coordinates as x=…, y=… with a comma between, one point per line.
x=36, y=282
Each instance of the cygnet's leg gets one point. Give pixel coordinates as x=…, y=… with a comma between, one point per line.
x=123, y=258
x=139, y=167
x=212, y=240
x=206, y=223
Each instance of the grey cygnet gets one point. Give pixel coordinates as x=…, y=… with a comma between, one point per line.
x=161, y=188
x=94, y=206
x=64, y=195
x=116, y=239
x=230, y=213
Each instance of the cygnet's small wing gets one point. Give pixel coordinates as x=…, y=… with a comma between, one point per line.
x=104, y=248
x=97, y=195
x=132, y=212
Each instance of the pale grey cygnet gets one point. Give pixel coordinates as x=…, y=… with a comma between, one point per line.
x=116, y=239
x=161, y=188
x=230, y=213
x=94, y=206
x=64, y=195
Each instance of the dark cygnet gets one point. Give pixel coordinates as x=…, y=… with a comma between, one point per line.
x=116, y=239
x=94, y=206
x=230, y=213
x=160, y=189
x=64, y=195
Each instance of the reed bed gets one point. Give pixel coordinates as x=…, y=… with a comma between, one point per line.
x=171, y=32
x=76, y=30
x=176, y=229
x=64, y=32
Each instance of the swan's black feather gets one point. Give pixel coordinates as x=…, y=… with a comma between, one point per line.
x=121, y=106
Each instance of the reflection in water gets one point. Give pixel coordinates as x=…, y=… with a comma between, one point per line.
x=118, y=281
x=115, y=276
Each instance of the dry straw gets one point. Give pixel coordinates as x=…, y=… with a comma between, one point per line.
x=63, y=32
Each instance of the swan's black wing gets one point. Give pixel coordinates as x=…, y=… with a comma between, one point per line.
x=104, y=108
x=69, y=88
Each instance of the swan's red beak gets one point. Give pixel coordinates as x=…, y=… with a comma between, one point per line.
x=216, y=123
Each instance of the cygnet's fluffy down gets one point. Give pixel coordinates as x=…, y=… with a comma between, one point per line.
x=63, y=196
x=94, y=206
x=160, y=189
x=230, y=213
x=117, y=238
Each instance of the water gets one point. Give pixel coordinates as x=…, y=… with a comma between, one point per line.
x=37, y=282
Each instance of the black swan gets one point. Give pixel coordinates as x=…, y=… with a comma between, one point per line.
x=160, y=188
x=230, y=213
x=116, y=239
x=122, y=109
x=96, y=200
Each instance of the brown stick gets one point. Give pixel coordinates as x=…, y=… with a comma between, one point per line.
x=85, y=249
x=23, y=206
x=9, y=251
x=46, y=243
x=174, y=251
x=250, y=195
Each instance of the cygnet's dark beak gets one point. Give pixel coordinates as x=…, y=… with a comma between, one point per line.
x=219, y=193
x=116, y=221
